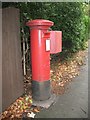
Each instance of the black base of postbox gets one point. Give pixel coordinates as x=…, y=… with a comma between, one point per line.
x=46, y=103
x=41, y=90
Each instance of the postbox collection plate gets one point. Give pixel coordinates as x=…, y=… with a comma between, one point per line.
x=47, y=44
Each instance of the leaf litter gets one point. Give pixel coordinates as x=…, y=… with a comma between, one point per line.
x=61, y=74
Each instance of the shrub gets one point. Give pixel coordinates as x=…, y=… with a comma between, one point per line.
x=69, y=17
x=71, y=20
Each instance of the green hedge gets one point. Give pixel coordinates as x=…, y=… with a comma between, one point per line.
x=71, y=20
x=69, y=17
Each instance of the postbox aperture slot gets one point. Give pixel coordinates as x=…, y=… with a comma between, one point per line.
x=46, y=34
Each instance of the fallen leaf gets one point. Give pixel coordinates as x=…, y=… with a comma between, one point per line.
x=36, y=110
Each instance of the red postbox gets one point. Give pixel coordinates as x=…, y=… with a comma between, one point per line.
x=43, y=42
x=40, y=58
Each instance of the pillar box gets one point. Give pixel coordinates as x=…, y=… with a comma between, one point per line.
x=42, y=40
x=40, y=58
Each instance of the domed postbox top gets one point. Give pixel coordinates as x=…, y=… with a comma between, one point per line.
x=39, y=22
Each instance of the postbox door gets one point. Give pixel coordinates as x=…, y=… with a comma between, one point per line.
x=55, y=41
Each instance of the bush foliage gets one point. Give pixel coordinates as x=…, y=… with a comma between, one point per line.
x=69, y=17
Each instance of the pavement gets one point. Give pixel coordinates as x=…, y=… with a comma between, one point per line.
x=74, y=102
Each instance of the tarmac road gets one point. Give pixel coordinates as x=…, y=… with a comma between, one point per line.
x=74, y=102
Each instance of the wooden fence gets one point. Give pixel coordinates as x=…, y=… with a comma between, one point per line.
x=0, y=59
x=12, y=77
